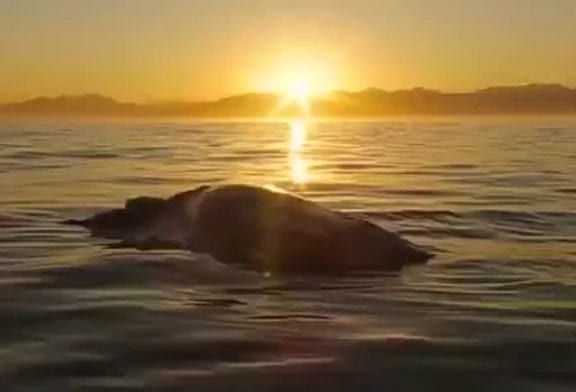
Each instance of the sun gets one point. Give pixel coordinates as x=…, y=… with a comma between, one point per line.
x=298, y=83
x=298, y=92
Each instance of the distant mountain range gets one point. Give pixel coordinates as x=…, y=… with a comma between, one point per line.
x=373, y=102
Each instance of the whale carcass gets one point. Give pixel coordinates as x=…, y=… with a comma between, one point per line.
x=259, y=227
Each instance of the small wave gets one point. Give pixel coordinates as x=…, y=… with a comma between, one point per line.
x=454, y=166
x=566, y=190
x=526, y=223
x=130, y=268
x=13, y=220
x=552, y=129
x=412, y=214
x=465, y=233
x=422, y=192
x=289, y=316
x=393, y=362
x=80, y=154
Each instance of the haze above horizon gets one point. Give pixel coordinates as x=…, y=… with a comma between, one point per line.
x=141, y=50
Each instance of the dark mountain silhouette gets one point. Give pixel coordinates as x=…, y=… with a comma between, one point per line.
x=90, y=104
x=527, y=99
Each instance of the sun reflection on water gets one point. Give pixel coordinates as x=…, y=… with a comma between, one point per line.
x=298, y=163
x=298, y=134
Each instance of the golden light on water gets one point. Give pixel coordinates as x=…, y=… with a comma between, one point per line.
x=297, y=85
x=298, y=134
x=299, y=168
x=299, y=173
x=298, y=90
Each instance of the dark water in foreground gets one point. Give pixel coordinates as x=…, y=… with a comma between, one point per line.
x=496, y=310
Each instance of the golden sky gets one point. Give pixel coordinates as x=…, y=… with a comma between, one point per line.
x=142, y=50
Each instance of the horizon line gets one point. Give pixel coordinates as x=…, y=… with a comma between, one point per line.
x=277, y=93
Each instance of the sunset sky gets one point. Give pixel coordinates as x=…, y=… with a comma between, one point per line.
x=142, y=50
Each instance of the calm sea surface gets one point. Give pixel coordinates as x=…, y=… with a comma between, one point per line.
x=495, y=310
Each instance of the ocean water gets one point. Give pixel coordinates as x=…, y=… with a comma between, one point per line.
x=495, y=199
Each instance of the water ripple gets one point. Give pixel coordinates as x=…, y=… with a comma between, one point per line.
x=496, y=307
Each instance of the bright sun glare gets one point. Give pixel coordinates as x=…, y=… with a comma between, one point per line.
x=297, y=160
x=299, y=84
x=299, y=91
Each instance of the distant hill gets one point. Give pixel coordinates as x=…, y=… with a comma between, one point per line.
x=527, y=99
x=91, y=104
